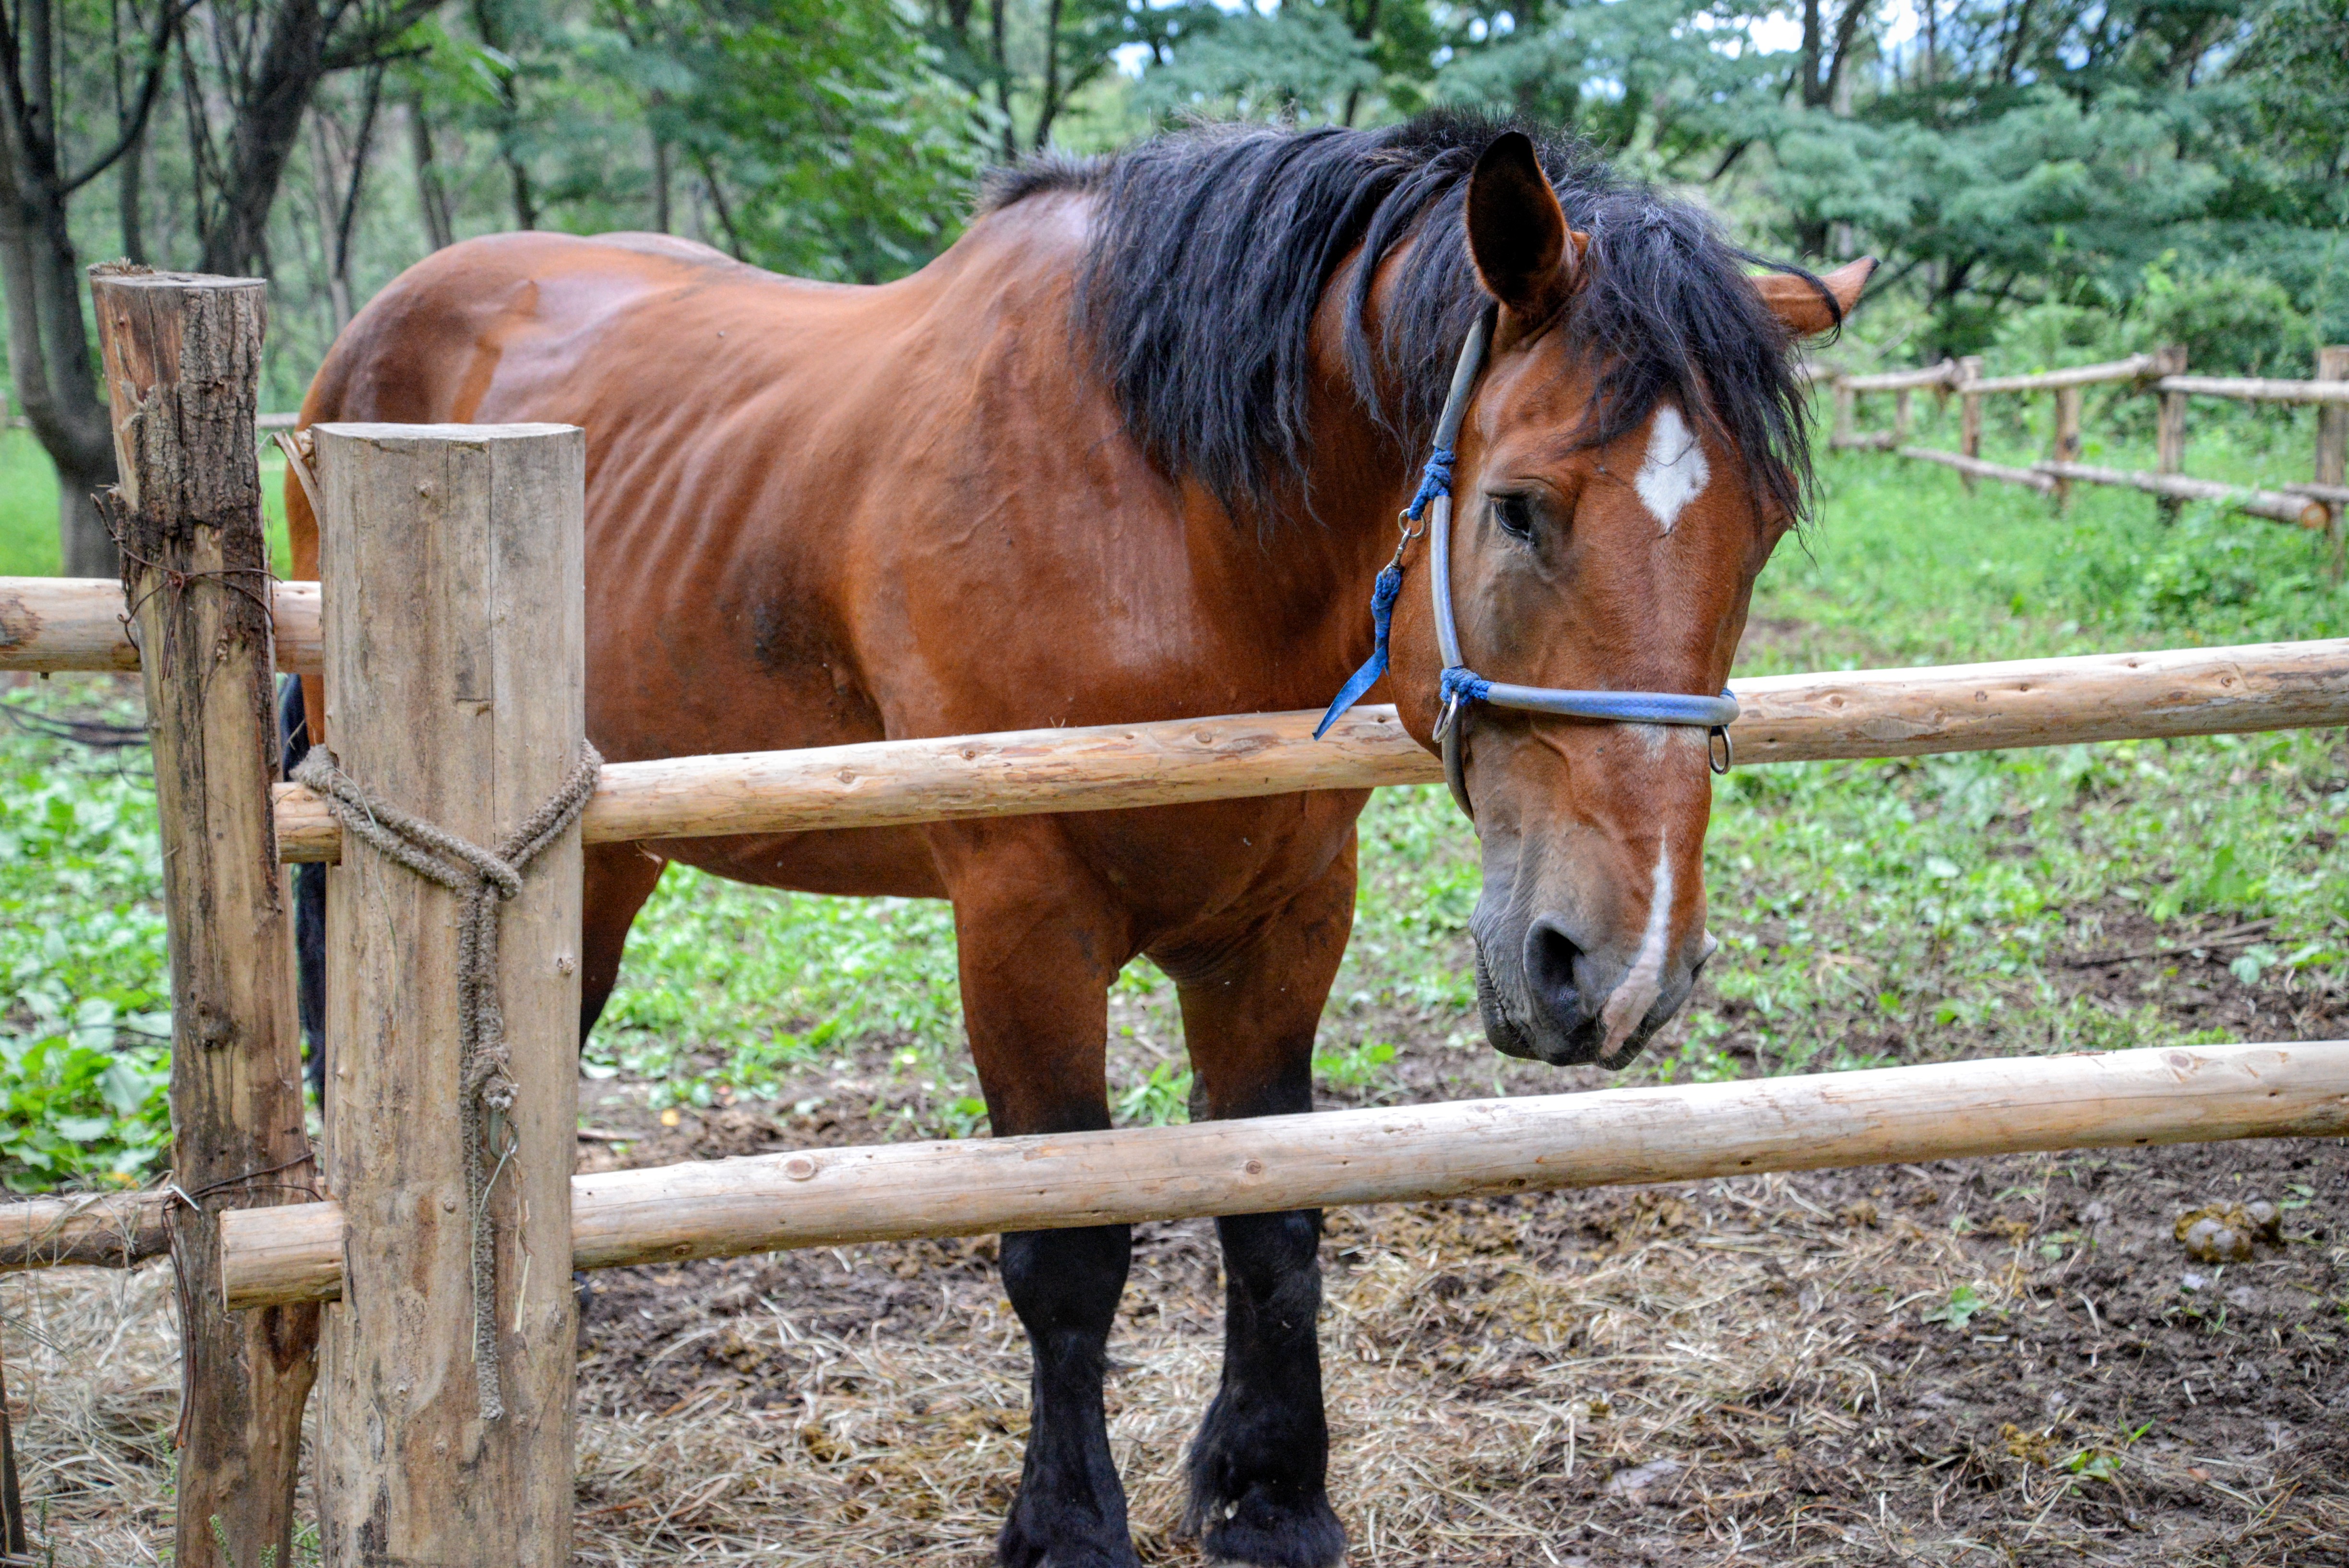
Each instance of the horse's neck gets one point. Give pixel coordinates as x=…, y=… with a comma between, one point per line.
x=1295, y=583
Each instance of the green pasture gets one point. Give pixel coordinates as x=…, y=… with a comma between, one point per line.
x=1870, y=911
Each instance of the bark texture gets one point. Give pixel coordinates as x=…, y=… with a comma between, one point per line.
x=182, y=358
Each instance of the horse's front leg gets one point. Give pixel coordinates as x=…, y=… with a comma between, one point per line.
x=1040, y=943
x=1259, y=1468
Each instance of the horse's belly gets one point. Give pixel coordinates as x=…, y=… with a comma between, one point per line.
x=863, y=862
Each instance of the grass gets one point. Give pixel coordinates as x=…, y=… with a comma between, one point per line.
x=1870, y=911
x=29, y=507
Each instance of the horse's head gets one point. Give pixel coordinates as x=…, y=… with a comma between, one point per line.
x=1615, y=498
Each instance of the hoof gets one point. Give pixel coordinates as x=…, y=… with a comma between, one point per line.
x=1259, y=1530
x=1026, y=1543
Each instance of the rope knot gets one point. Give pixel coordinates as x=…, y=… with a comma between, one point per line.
x=1435, y=479
x=485, y=879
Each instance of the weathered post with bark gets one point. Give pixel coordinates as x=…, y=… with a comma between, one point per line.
x=451, y=567
x=2333, y=452
x=183, y=362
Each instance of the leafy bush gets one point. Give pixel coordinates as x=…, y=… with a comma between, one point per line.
x=2230, y=323
x=2219, y=576
x=2050, y=335
x=84, y=989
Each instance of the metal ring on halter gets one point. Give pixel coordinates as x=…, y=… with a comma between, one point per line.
x=1727, y=759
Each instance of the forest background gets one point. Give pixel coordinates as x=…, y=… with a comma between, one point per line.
x=2051, y=179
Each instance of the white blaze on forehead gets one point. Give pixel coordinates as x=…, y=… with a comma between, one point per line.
x=1644, y=982
x=1675, y=473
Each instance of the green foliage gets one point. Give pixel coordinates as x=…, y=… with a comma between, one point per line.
x=2051, y=334
x=2230, y=323
x=828, y=136
x=85, y=1016
x=1163, y=1099
x=1651, y=81
x=1299, y=63
x=1965, y=1304
x=1361, y=1066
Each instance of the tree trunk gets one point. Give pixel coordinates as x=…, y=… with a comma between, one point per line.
x=85, y=548
x=129, y=198
x=1002, y=78
x=660, y=184
x=432, y=200
x=130, y=124
x=322, y=202
x=525, y=203
x=49, y=339
x=1809, y=59
x=1051, y=110
x=268, y=123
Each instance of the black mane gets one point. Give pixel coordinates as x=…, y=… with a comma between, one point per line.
x=1211, y=251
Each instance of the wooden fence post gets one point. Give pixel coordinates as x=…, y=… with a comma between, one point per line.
x=2065, y=446
x=2170, y=429
x=455, y=673
x=2333, y=450
x=1845, y=412
x=182, y=363
x=1969, y=412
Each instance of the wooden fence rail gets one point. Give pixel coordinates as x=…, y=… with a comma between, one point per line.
x=1786, y=719
x=2306, y=511
x=2257, y=390
x=830, y=1197
x=76, y=624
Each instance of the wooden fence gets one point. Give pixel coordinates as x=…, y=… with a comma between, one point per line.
x=455, y=663
x=2320, y=503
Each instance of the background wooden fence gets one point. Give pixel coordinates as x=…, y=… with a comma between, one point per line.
x=2320, y=503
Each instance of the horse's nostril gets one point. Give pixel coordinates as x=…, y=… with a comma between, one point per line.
x=1550, y=957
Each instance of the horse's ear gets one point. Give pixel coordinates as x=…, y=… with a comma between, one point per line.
x=1517, y=236
x=1796, y=301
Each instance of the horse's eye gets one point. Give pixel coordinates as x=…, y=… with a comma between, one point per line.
x=1515, y=513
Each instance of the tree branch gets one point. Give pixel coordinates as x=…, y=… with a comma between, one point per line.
x=158, y=59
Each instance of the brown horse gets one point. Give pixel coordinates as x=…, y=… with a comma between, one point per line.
x=1133, y=450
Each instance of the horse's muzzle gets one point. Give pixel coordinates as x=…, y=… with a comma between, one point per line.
x=1551, y=1003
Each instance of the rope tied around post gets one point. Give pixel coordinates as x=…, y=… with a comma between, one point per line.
x=485, y=879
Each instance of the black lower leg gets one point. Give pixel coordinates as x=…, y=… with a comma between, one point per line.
x=1259, y=1468
x=309, y=908
x=310, y=971
x=1070, y=1511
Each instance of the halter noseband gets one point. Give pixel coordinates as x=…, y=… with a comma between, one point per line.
x=1462, y=686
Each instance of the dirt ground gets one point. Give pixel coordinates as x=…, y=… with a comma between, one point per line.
x=2004, y=1361
x=2011, y=1361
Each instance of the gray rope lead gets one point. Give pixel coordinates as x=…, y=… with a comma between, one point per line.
x=485, y=879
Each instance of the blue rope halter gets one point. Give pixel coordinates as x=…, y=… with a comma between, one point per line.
x=1461, y=687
